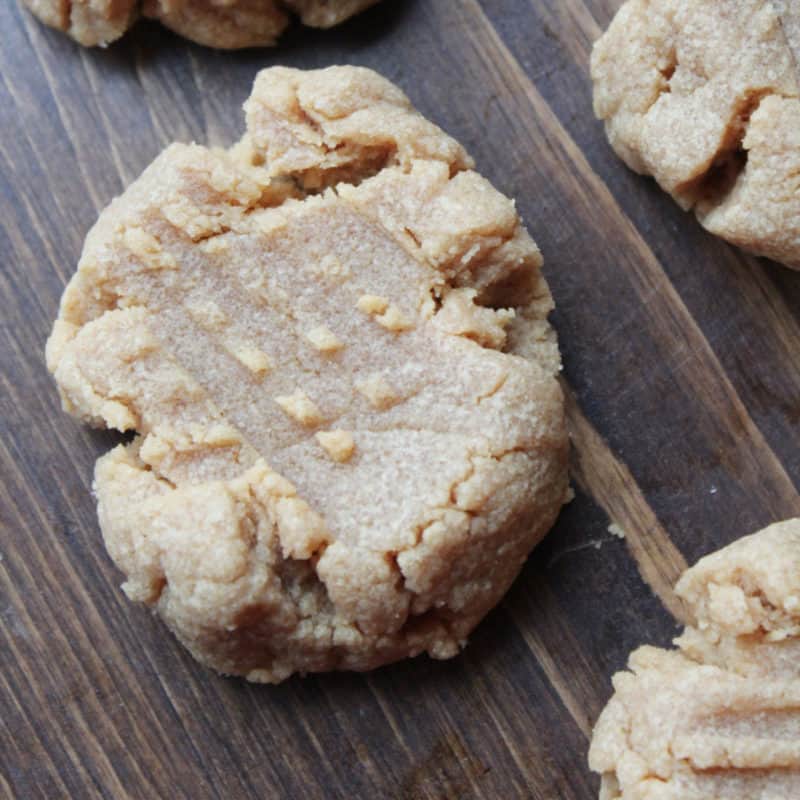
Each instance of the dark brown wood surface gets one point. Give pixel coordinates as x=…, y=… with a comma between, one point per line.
x=682, y=362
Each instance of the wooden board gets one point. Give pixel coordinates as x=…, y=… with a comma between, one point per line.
x=681, y=361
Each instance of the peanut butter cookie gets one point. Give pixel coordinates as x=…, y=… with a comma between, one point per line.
x=332, y=341
x=227, y=24
x=720, y=717
x=705, y=97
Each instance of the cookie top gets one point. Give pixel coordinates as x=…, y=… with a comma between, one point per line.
x=705, y=98
x=227, y=24
x=719, y=717
x=332, y=341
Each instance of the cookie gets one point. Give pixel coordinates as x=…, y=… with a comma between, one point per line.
x=227, y=24
x=720, y=716
x=705, y=97
x=332, y=341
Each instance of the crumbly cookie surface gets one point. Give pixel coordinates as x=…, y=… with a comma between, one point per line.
x=226, y=24
x=332, y=342
x=705, y=97
x=719, y=717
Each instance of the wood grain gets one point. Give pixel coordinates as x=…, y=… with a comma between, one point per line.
x=683, y=385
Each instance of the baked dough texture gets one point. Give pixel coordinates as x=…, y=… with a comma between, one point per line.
x=704, y=96
x=719, y=718
x=332, y=340
x=226, y=24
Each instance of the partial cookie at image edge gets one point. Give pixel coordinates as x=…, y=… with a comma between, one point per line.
x=224, y=25
x=705, y=97
x=718, y=717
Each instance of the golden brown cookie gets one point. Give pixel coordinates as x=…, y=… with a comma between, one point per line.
x=705, y=97
x=718, y=719
x=332, y=341
x=227, y=24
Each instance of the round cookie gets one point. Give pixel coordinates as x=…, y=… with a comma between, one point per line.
x=227, y=24
x=332, y=340
x=720, y=716
x=705, y=97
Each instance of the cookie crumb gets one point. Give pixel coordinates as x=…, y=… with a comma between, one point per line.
x=460, y=315
x=219, y=434
x=393, y=319
x=270, y=221
x=324, y=339
x=378, y=391
x=339, y=445
x=616, y=530
x=372, y=304
x=214, y=245
x=300, y=408
x=256, y=360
